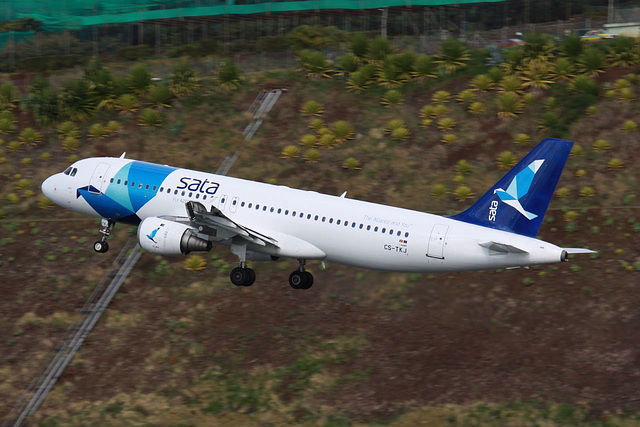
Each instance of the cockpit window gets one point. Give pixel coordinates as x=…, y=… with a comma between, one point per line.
x=67, y=171
x=74, y=171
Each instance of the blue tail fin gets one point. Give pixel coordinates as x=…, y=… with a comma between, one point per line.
x=518, y=201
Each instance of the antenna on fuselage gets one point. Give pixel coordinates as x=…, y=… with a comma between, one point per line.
x=343, y=194
x=123, y=154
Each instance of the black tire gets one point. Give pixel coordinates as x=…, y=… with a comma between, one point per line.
x=308, y=280
x=100, y=246
x=239, y=276
x=297, y=279
x=252, y=277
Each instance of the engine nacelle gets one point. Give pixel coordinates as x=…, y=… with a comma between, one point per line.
x=166, y=237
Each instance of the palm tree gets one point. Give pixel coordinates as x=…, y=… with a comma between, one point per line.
x=453, y=55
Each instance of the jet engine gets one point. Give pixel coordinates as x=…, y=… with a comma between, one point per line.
x=167, y=237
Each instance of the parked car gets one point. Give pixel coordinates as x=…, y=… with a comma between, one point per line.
x=510, y=43
x=596, y=35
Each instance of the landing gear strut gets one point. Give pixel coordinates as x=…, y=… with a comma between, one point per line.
x=301, y=279
x=107, y=227
x=242, y=275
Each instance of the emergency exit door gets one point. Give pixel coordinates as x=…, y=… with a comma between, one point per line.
x=437, y=240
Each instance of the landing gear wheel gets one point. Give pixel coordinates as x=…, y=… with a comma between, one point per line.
x=296, y=279
x=252, y=277
x=101, y=246
x=300, y=280
x=239, y=276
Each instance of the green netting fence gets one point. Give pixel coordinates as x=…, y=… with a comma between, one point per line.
x=57, y=15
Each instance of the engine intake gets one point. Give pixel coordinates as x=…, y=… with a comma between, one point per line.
x=167, y=237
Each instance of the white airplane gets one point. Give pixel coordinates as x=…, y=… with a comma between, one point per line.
x=181, y=211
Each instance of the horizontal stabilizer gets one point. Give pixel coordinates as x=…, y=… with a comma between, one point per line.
x=502, y=247
x=579, y=251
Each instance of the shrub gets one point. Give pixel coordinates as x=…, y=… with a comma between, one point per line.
x=615, y=164
x=290, y=151
x=182, y=80
x=601, y=145
x=126, y=103
x=440, y=97
x=452, y=56
x=592, y=61
x=449, y=138
x=314, y=64
x=509, y=105
x=400, y=134
x=70, y=144
x=506, y=160
x=393, y=125
x=150, y=117
x=112, y=127
x=439, y=190
x=228, y=76
x=563, y=192
x=591, y=110
x=572, y=46
x=463, y=193
x=584, y=84
x=570, y=216
x=96, y=131
x=392, y=97
x=477, y=108
x=548, y=121
x=327, y=140
x=587, y=192
x=623, y=52
x=563, y=69
x=466, y=97
x=357, y=81
x=446, y=124
x=576, y=151
x=68, y=129
x=629, y=126
x=495, y=74
x=194, y=263
x=482, y=83
x=312, y=108
x=610, y=94
x=44, y=203
x=6, y=125
x=404, y=62
x=342, y=130
x=426, y=123
x=312, y=155
x=626, y=94
x=77, y=102
x=463, y=167
x=551, y=103
x=14, y=145
x=581, y=173
x=379, y=48
x=160, y=96
x=510, y=84
x=537, y=74
x=522, y=139
x=389, y=75
x=439, y=111
x=351, y=163
x=426, y=111
x=45, y=156
x=308, y=140
x=139, y=78
x=13, y=198
x=360, y=45
x=30, y=136
x=425, y=67
x=316, y=124
x=621, y=84
x=347, y=63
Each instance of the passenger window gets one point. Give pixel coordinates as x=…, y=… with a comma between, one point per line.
x=398, y=234
x=241, y=205
x=197, y=195
x=316, y=218
x=293, y=213
x=125, y=183
x=175, y=191
x=375, y=229
x=384, y=230
x=154, y=188
x=353, y=225
x=183, y=193
x=250, y=204
x=301, y=214
x=338, y=222
x=264, y=208
x=204, y=197
x=346, y=223
x=391, y=231
x=140, y=185
x=146, y=187
x=368, y=227
x=279, y=210
x=111, y=180
x=161, y=188
x=222, y=201
x=308, y=216
x=361, y=225
x=271, y=210
x=118, y=182
x=286, y=212
x=190, y=194
x=330, y=220
x=133, y=184
x=257, y=207
x=234, y=202
x=406, y=234
x=324, y=218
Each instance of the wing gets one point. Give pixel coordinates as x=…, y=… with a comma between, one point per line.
x=217, y=225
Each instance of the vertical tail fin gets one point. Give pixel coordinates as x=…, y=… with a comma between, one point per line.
x=518, y=201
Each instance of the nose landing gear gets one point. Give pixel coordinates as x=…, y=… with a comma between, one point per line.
x=301, y=279
x=101, y=245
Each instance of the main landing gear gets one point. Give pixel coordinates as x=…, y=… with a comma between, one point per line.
x=243, y=275
x=301, y=279
x=107, y=227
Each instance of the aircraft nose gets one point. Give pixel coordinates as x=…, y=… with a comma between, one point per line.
x=49, y=188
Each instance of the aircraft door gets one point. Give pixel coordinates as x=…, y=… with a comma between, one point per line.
x=97, y=179
x=435, y=247
x=234, y=205
x=223, y=202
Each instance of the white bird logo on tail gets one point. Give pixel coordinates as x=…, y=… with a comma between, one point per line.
x=519, y=187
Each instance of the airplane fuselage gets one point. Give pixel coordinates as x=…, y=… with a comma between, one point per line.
x=307, y=225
